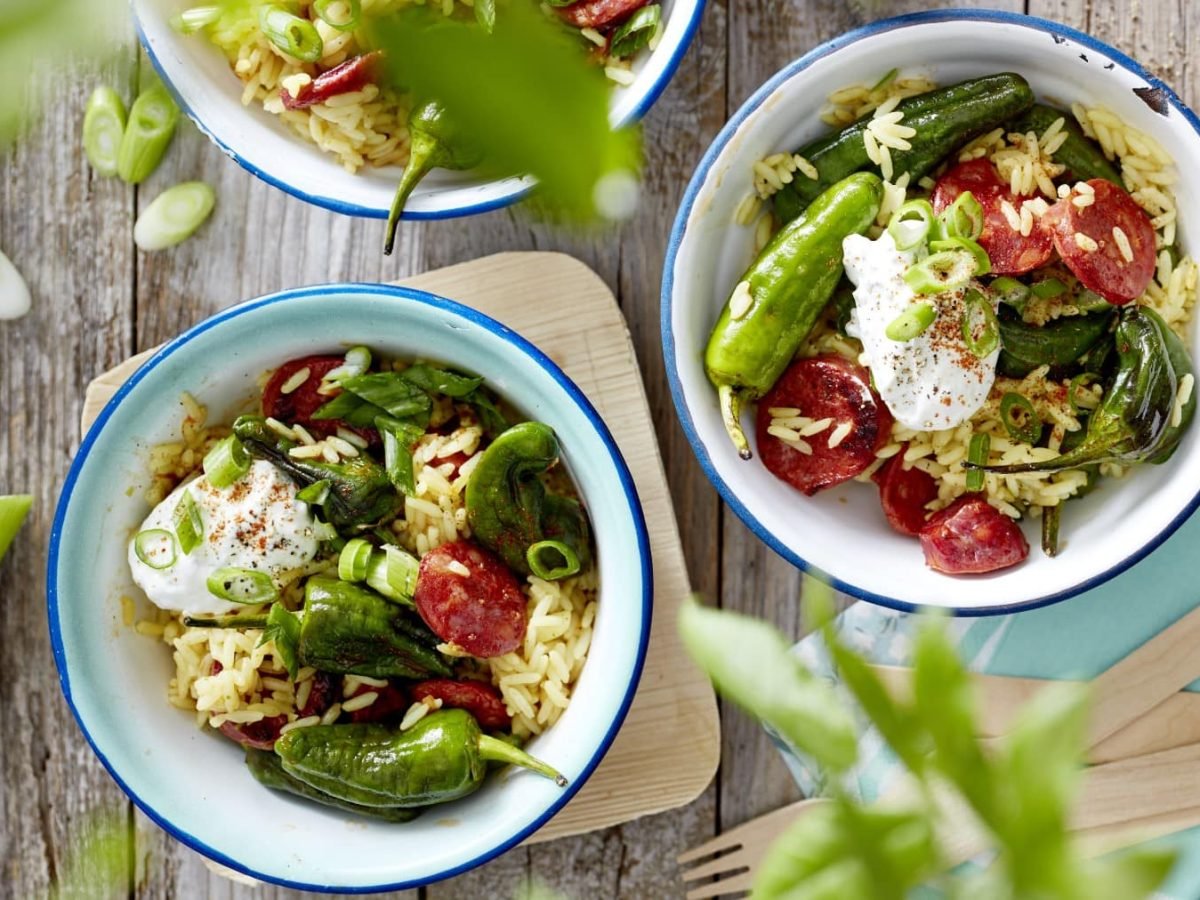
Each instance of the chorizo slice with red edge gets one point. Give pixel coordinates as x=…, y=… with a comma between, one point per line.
x=299, y=404
x=260, y=735
x=1010, y=252
x=904, y=494
x=391, y=703
x=478, y=698
x=823, y=387
x=482, y=611
x=971, y=537
x=600, y=14
x=1118, y=273
x=352, y=75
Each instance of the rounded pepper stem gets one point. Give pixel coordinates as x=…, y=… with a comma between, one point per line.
x=731, y=413
x=496, y=750
x=425, y=153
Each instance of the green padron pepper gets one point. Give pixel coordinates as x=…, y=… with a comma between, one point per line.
x=1135, y=421
x=441, y=758
x=345, y=629
x=360, y=492
x=436, y=142
x=267, y=769
x=512, y=513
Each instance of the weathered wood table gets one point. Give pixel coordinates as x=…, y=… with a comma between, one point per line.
x=97, y=301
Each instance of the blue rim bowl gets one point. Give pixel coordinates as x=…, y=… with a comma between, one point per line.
x=193, y=783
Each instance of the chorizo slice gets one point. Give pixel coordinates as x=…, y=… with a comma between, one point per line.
x=478, y=698
x=970, y=537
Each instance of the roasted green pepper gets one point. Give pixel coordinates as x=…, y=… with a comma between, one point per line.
x=1056, y=344
x=762, y=326
x=346, y=629
x=1080, y=154
x=1134, y=422
x=441, y=758
x=944, y=119
x=360, y=492
x=268, y=770
x=510, y=510
x=435, y=142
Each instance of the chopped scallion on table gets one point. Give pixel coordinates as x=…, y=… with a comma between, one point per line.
x=14, y=292
x=13, y=509
x=174, y=215
x=103, y=128
x=151, y=125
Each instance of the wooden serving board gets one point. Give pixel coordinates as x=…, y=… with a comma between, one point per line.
x=667, y=751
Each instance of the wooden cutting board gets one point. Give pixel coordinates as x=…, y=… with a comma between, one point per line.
x=667, y=751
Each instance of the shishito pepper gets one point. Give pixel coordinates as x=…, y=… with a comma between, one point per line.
x=441, y=758
x=268, y=770
x=789, y=284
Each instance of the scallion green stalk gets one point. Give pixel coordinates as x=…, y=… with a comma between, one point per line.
x=354, y=560
x=189, y=525
x=1009, y=290
x=1048, y=288
x=296, y=37
x=148, y=132
x=393, y=573
x=911, y=323
x=978, y=255
x=552, y=560
x=963, y=218
x=977, y=455
x=910, y=224
x=103, y=128
x=174, y=215
x=226, y=462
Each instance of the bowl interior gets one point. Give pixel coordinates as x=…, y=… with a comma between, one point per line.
x=194, y=782
x=840, y=528
x=209, y=92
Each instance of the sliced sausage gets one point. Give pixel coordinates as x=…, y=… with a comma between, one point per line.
x=970, y=537
x=824, y=387
x=352, y=75
x=260, y=735
x=483, y=611
x=478, y=698
x=904, y=494
x=600, y=14
x=320, y=695
x=391, y=703
x=1010, y=252
x=1100, y=263
x=299, y=404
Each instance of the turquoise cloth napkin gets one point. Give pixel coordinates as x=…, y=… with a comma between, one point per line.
x=1078, y=638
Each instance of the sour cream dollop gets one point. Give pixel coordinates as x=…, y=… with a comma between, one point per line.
x=256, y=523
x=933, y=381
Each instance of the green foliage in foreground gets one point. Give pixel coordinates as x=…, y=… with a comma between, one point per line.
x=847, y=850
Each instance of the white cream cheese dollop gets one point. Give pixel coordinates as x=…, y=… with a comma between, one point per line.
x=256, y=523
x=933, y=381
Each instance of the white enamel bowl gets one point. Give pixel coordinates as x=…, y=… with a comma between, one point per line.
x=841, y=533
x=192, y=782
x=207, y=90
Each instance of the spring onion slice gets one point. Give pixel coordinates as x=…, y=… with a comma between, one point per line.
x=1082, y=380
x=148, y=132
x=944, y=271
x=1048, y=288
x=1020, y=418
x=238, y=585
x=296, y=37
x=977, y=455
x=911, y=323
x=963, y=218
x=1050, y=519
x=15, y=298
x=485, y=14
x=348, y=22
x=173, y=215
x=398, y=439
x=13, y=510
x=978, y=255
x=552, y=560
x=353, y=560
x=393, y=573
x=155, y=547
x=910, y=224
x=226, y=462
x=189, y=526
x=1009, y=290
x=636, y=32
x=980, y=328
x=358, y=360
x=198, y=17
x=316, y=493
x=103, y=128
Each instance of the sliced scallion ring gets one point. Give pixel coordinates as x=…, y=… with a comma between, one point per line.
x=237, y=585
x=196, y=18
x=1020, y=418
x=1048, y=288
x=353, y=560
x=393, y=573
x=977, y=455
x=979, y=256
x=173, y=215
x=155, y=547
x=316, y=493
x=910, y=224
x=911, y=323
x=358, y=360
x=296, y=37
x=963, y=218
x=226, y=462
x=189, y=526
x=103, y=128
x=980, y=328
x=148, y=131
x=348, y=22
x=944, y=271
x=1009, y=290
x=552, y=560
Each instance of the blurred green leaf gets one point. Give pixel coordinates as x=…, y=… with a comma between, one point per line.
x=98, y=858
x=1130, y=875
x=750, y=662
x=13, y=510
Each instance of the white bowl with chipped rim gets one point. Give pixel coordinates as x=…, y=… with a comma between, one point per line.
x=841, y=534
